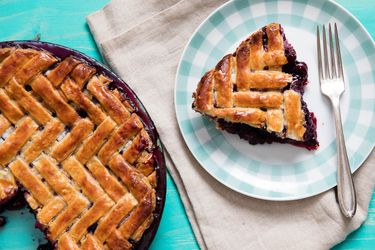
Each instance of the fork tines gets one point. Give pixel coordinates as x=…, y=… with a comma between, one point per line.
x=333, y=69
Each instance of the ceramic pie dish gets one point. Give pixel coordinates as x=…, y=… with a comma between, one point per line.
x=81, y=147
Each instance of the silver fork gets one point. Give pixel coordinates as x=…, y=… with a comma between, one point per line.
x=332, y=85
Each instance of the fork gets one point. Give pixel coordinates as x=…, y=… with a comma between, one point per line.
x=332, y=85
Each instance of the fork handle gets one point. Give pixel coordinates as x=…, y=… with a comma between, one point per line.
x=345, y=186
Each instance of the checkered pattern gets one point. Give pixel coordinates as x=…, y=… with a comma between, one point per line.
x=242, y=167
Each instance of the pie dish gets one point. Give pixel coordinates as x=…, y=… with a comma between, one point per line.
x=80, y=146
x=256, y=92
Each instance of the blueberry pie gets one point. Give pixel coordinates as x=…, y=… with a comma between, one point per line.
x=256, y=92
x=76, y=148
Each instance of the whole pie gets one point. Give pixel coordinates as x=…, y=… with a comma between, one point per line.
x=76, y=148
x=256, y=92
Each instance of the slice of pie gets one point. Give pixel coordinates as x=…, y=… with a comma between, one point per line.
x=77, y=150
x=256, y=92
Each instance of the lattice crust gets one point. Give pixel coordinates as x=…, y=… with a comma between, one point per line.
x=248, y=87
x=77, y=148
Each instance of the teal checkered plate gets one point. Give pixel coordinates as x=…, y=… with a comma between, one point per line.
x=280, y=171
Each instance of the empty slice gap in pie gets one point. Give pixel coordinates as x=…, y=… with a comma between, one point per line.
x=77, y=150
x=257, y=92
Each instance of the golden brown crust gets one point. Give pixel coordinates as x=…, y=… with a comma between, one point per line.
x=107, y=181
x=30, y=181
x=275, y=120
x=109, y=222
x=73, y=92
x=58, y=74
x=263, y=79
x=116, y=240
x=223, y=82
x=109, y=102
x=90, y=243
x=42, y=140
x=99, y=208
x=138, y=216
x=34, y=204
x=25, y=99
x=78, y=149
x=33, y=67
x=203, y=97
x=79, y=132
x=254, y=99
x=9, y=108
x=5, y=52
x=67, y=243
x=14, y=142
x=152, y=178
x=243, y=68
x=256, y=51
x=294, y=116
x=141, y=142
x=65, y=218
x=10, y=65
x=50, y=210
x=145, y=163
x=56, y=179
x=132, y=178
x=247, y=87
x=8, y=186
x=4, y=124
x=53, y=99
x=275, y=55
x=82, y=73
x=250, y=116
x=94, y=142
x=126, y=131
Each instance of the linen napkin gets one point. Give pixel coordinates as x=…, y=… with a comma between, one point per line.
x=142, y=41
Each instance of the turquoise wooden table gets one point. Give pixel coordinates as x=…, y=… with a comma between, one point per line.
x=63, y=22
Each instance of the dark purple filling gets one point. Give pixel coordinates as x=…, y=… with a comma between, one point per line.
x=17, y=202
x=2, y=221
x=46, y=246
x=257, y=136
x=265, y=39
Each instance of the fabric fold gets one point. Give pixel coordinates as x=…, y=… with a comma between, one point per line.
x=143, y=44
x=132, y=13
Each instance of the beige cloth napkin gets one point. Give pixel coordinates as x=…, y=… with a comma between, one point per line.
x=142, y=41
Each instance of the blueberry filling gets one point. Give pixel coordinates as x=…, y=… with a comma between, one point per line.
x=265, y=39
x=92, y=228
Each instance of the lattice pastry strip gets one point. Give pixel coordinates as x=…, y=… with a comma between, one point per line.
x=77, y=148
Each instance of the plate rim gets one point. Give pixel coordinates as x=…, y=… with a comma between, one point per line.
x=262, y=197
